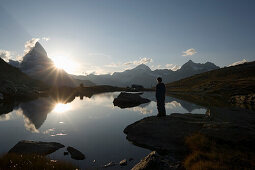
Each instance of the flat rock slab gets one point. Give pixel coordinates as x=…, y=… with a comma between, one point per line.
x=168, y=133
x=75, y=154
x=125, y=100
x=33, y=147
x=164, y=133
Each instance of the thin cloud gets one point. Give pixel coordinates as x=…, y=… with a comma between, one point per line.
x=30, y=44
x=138, y=62
x=46, y=38
x=114, y=65
x=167, y=66
x=173, y=67
x=189, y=52
x=5, y=55
x=238, y=62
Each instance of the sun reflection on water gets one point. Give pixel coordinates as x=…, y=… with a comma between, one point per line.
x=61, y=108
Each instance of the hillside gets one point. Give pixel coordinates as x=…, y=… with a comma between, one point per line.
x=15, y=83
x=222, y=83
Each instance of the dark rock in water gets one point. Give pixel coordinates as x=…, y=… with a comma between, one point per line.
x=65, y=153
x=130, y=159
x=33, y=147
x=123, y=162
x=125, y=100
x=109, y=164
x=75, y=154
x=154, y=161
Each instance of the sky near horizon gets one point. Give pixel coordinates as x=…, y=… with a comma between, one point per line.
x=103, y=36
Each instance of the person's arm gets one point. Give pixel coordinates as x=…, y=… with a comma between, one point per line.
x=157, y=92
x=164, y=89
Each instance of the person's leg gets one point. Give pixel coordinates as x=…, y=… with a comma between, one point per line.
x=158, y=107
x=161, y=108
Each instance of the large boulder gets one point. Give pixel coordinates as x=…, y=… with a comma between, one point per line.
x=154, y=161
x=165, y=134
x=33, y=147
x=125, y=100
x=168, y=134
x=75, y=154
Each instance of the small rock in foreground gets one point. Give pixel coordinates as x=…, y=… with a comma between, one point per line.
x=33, y=147
x=154, y=161
x=75, y=154
x=123, y=162
x=110, y=164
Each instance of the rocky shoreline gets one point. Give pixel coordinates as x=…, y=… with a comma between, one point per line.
x=167, y=135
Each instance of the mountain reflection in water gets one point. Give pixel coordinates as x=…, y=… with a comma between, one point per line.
x=93, y=125
x=35, y=112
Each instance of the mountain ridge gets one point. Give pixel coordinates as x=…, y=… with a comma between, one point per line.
x=143, y=75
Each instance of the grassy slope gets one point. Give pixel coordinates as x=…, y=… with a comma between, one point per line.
x=216, y=84
x=238, y=79
x=209, y=153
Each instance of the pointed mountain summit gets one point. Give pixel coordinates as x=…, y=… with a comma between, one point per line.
x=36, y=60
x=190, y=65
x=38, y=65
x=142, y=67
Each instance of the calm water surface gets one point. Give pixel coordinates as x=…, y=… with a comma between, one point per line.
x=92, y=125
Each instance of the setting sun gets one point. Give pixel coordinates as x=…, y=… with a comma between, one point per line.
x=60, y=107
x=65, y=63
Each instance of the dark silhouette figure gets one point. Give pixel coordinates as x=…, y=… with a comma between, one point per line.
x=160, y=96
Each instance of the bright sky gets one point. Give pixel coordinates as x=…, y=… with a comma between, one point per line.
x=103, y=36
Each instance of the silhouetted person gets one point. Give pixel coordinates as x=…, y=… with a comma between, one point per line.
x=160, y=96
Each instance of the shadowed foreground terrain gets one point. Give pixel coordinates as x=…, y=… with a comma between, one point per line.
x=30, y=161
x=223, y=139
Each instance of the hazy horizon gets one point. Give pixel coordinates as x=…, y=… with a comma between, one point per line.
x=103, y=37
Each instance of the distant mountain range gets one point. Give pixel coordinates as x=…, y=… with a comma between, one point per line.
x=37, y=65
x=143, y=75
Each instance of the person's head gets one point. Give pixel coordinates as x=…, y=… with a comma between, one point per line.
x=159, y=79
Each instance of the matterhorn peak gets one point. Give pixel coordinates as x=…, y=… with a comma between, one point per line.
x=38, y=48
